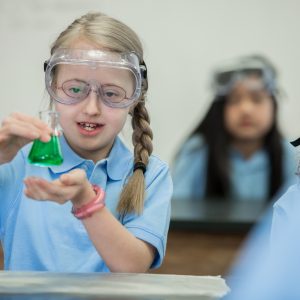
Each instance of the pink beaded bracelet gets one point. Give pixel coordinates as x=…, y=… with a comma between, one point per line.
x=95, y=204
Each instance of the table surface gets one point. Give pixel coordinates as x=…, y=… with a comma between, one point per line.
x=215, y=215
x=67, y=286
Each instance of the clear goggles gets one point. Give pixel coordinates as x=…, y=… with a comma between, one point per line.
x=225, y=79
x=72, y=74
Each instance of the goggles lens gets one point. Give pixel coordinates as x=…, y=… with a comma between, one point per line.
x=228, y=77
x=72, y=74
x=224, y=82
x=75, y=90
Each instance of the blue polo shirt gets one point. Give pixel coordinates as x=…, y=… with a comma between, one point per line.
x=268, y=269
x=248, y=177
x=286, y=212
x=45, y=236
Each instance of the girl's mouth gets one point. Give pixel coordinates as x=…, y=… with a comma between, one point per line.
x=89, y=129
x=89, y=126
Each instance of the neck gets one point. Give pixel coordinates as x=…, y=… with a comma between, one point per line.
x=92, y=154
x=247, y=147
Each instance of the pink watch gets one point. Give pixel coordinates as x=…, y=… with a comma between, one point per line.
x=95, y=204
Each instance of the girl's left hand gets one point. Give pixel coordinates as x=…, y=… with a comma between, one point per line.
x=72, y=186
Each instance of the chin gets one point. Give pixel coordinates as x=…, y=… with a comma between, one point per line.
x=249, y=138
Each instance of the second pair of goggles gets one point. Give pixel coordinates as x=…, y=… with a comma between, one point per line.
x=225, y=77
x=95, y=59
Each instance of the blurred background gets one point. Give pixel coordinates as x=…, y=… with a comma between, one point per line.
x=183, y=41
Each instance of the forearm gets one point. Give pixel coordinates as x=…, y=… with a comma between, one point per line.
x=121, y=250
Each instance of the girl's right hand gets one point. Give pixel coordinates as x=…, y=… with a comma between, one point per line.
x=18, y=130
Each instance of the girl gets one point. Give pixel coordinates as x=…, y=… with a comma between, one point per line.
x=237, y=151
x=95, y=76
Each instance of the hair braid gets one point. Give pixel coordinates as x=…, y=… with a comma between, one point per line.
x=133, y=194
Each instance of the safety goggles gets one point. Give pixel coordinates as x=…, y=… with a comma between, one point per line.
x=72, y=74
x=225, y=78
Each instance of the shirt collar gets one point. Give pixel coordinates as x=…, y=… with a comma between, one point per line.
x=116, y=163
x=256, y=158
x=119, y=161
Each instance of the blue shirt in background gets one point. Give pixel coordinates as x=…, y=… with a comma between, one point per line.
x=249, y=177
x=269, y=264
x=45, y=236
x=286, y=215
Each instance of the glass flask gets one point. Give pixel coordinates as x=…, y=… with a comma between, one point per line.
x=47, y=154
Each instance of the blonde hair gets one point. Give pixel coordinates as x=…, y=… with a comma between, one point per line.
x=113, y=35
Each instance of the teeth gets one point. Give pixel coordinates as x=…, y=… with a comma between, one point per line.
x=88, y=126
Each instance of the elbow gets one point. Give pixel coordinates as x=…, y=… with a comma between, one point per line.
x=131, y=267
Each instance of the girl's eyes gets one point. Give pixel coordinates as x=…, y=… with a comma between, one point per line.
x=255, y=97
x=233, y=99
x=113, y=93
x=75, y=90
x=79, y=90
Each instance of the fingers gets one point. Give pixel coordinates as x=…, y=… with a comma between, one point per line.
x=33, y=120
x=34, y=190
x=40, y=189
x=75, y=177
x=73, y=186
x=18, y=124
x=20, y=129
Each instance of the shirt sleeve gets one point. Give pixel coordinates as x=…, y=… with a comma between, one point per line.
x=284, y=216
x=153, y=224
x=189, y=170
x=11, y=176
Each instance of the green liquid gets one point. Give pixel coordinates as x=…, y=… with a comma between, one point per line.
x=46, y=154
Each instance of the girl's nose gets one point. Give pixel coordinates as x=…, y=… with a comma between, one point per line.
x=92, y=103
x=246, y=104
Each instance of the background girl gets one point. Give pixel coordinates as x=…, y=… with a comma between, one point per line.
x=237, y=151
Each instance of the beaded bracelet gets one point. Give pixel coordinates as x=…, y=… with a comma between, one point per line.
x=95, y=204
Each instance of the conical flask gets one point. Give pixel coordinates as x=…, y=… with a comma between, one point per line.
x=47, y=154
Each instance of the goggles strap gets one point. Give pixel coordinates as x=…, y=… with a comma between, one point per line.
x=143, y=70
x=46, y=62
